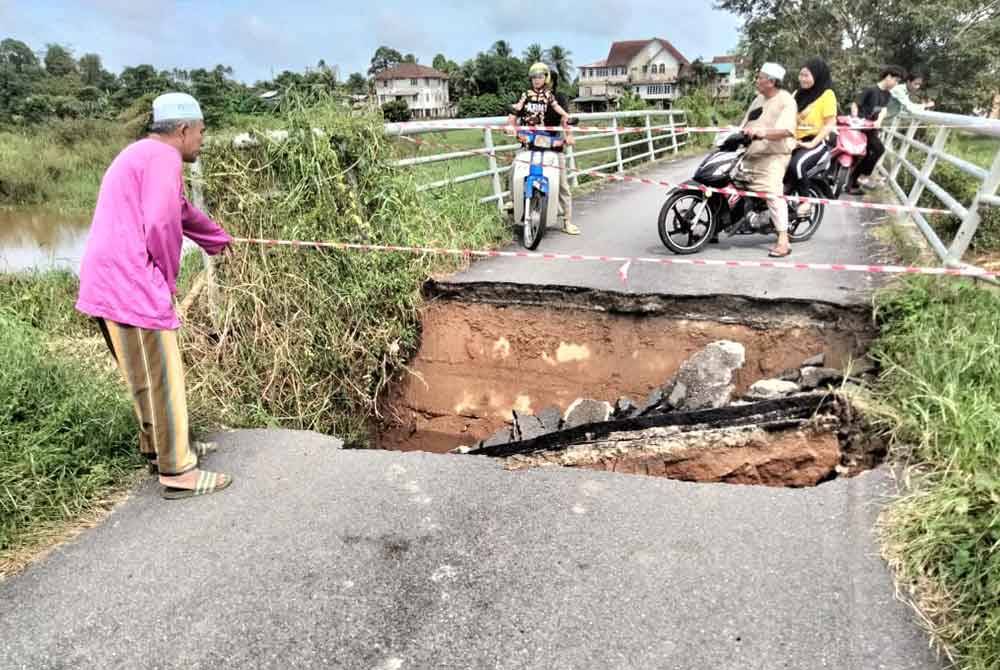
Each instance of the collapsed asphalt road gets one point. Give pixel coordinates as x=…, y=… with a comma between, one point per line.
x=322, y=558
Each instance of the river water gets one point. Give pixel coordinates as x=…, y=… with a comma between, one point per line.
x=41, y=240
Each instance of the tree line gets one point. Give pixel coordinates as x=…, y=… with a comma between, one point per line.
x=955, y=44
x=37, y=88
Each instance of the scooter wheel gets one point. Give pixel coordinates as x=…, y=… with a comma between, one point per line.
x=686, y=222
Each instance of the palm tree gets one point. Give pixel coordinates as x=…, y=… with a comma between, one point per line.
x=533, y=53
x=559, y=59
x=502, y=48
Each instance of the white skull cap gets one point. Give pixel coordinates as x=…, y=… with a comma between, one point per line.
x=176, y=107
x=773, y=70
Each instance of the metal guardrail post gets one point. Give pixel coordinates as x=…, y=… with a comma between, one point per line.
x=211, y=285
x=673, y=131
x=571, y=164
x=649, y=137
x=497, y=190
x=925, y=174
x=971, y=221
x=618, y=146
x=904, y=149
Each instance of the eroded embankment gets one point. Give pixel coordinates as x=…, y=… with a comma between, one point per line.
x=490, y=349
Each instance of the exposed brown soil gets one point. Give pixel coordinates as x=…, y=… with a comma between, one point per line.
x=480, y=360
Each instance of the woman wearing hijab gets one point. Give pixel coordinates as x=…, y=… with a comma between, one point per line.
x=817, y=104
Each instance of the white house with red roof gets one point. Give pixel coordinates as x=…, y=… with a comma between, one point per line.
x=422, y=88
x=649, y=68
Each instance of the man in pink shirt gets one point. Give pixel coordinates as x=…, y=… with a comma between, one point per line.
x=129, y=276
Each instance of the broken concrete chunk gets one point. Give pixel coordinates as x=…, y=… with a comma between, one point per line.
x=708, y=375
x=815, y=377
x=677, y=395
x=817, y=361
x=551, y=419
x=624, y=407
x=528, y=427
x=653, y=402
x=461, y=450
x=502, y=436
x=584, y=411
x=791, y=375
x=767, y=389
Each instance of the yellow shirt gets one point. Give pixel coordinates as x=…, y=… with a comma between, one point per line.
x=813, y=118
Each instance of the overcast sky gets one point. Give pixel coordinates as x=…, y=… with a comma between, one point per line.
x=260, y=38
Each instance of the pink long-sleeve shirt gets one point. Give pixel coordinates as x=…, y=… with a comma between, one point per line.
x=129, y=269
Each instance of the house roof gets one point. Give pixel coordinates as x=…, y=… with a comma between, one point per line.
x=410, y=71
x=622, y=53
x=601, y=63
x=738, y=60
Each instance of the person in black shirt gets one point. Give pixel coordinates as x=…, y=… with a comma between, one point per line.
x=872, y=105
x=552, y=118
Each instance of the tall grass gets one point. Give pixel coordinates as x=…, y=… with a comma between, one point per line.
x=940, y=351
x=311, y=339
x=59, y=166
x=67, y=434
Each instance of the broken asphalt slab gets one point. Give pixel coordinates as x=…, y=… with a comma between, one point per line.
x=319, y=557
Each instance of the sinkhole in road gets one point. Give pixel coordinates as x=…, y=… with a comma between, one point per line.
x=708, y=389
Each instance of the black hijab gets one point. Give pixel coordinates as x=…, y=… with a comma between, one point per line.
x=822, y=82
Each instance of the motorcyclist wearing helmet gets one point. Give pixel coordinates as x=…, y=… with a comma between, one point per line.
x=539, y=107
x=537, y=100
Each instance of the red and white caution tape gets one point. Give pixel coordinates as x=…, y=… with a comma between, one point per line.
x=708, y=190
x=627, y=260
x=860, y=124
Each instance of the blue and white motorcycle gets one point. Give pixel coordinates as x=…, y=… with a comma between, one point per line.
x=534, y=186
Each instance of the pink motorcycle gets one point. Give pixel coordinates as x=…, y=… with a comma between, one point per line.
x=852, y=145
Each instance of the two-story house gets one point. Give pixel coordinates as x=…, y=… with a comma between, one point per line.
x=732, y=70
x=648, y=68
x=423, y=89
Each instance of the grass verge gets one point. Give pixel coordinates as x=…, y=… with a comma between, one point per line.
x=67, y=437
x=940, y=353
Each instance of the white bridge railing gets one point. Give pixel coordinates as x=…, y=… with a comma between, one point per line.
x=665, y=130
x=901, y=142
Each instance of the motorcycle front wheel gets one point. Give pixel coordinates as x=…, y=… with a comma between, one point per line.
x=536, y=210
x=686, y=222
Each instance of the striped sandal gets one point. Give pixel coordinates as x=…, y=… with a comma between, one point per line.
x=208, y=482
x=200, y=449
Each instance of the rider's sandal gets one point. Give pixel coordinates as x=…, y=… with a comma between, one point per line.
x=570, y=229
x=199, y=448
x=208, y=482
x=774, y=253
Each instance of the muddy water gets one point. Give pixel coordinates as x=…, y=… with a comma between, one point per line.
x=41, y=240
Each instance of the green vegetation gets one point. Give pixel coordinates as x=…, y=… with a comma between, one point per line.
x=952, y=42
x=45, y=301
x=312, y=339
x=67, y=435
x=940, y=352
x=59, y=166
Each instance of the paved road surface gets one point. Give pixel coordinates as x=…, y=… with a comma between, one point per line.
x=620, y=220
x=323, y=558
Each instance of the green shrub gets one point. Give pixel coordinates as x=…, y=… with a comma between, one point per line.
x=67, y=434
x=940, y=355
x=396, y=111
x=313, y=338
x=486, y=105
x=45, y=301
